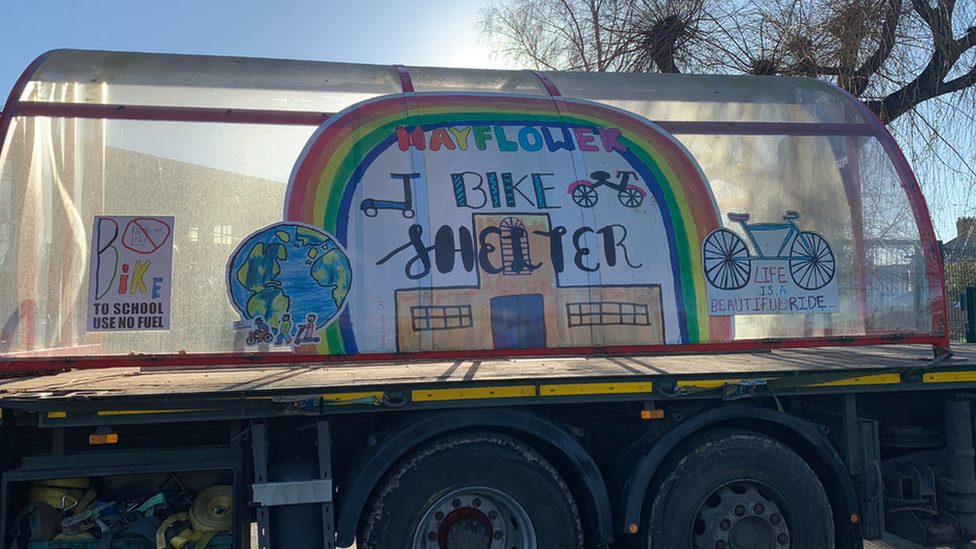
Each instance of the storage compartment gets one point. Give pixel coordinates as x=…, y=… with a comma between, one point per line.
x=126, y=500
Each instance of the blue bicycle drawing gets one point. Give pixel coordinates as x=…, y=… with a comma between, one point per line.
x=728, y=261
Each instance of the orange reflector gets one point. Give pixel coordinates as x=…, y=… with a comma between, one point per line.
x=855, y=518
x=652, y=414
x=632, y=528
x=98, y=438
x=103, y=435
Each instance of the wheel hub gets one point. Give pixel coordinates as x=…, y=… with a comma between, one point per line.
x=476, y=517
x=741, y=515
x=465, y=527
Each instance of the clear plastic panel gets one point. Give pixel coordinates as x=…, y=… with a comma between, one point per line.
x=460, y=81
x=712, y=98
x=217, y=180
x=897, y=287
x=60, y=173
x=70, y=76
x=834, y=184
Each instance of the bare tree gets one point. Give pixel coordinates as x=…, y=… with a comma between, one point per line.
x=901, y=57
x=895, y=54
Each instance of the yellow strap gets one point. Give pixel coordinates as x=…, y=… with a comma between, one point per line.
x=59, y=498
x=211, y=512
x=184, y=537
x=86, y=500
x=84, y=536
x=66, y=483
x=161, y=532
x=204, y=539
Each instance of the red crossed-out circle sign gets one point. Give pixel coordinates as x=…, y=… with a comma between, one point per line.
x=145, y=235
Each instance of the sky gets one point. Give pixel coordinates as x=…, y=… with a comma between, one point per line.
x=428, y=33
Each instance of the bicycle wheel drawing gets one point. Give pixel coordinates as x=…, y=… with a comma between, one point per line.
x=585, y=196
x=812, y=266
x=630, y=197
x=726, y=259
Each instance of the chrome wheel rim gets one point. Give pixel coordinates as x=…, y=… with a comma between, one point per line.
x=475, y=517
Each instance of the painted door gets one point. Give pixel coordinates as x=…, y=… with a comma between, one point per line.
x=518, y=321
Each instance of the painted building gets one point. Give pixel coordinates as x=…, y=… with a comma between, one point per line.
x=508, y=309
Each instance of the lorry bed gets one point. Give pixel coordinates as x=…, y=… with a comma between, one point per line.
x=128, y=394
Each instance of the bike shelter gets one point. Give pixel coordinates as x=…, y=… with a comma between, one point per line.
x=615, y=209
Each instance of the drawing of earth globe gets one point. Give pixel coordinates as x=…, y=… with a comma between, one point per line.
x=289, y=268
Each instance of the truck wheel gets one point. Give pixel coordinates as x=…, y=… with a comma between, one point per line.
x=739, y=490
x=478, y=490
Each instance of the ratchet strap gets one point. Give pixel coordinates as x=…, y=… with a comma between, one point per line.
x=211, y=512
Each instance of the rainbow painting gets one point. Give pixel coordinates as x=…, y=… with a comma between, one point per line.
x=546, y=136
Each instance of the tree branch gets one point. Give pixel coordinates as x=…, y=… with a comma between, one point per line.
x=960, y=83
x=924, y=10
x=929, y=82
x=863, y=74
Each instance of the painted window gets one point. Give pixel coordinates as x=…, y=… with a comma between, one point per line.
x=512, y=246
x=441, y=318
x=607, y=313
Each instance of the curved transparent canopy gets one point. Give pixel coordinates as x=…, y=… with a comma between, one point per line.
x=817, y=229
x=692, y=97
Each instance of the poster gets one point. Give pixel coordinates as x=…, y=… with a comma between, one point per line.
x=777, y=267
x=131, y=273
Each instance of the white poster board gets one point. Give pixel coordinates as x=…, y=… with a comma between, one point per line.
x=777, y=267
x=130, y=273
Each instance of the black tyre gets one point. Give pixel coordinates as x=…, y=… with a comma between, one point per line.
x=475, y=490
x=739, y=490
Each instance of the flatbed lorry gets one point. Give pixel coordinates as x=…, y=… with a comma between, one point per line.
x=438, y=308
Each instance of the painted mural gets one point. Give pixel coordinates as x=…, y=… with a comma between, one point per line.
x=469, y=222
x=783, y=269
x=288, y=281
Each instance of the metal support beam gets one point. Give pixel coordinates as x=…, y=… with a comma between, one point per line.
x=325, y=473
x=57, y=441
x=259, y=447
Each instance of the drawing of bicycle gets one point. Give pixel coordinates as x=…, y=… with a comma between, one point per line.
x=585, y=195
x=728, y=261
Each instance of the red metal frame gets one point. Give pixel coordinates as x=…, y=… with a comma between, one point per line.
x=406, y=83
x=169, y=114
x=13, y=100
x=548, y=83
x=873, y=127
x=308, y=118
